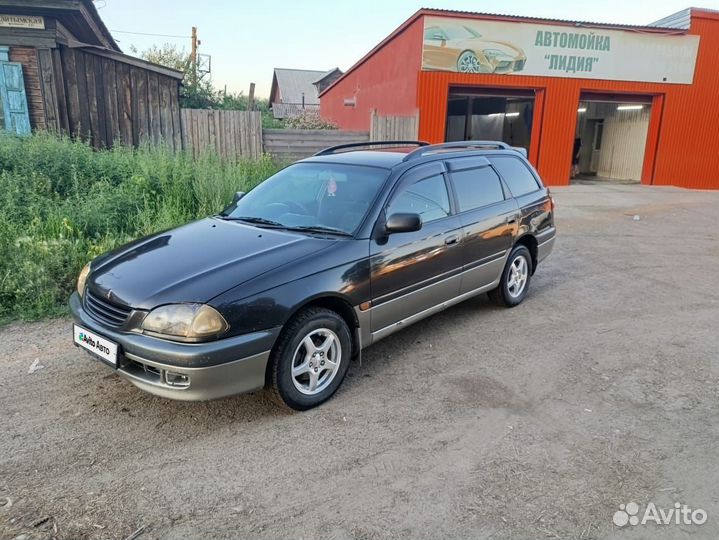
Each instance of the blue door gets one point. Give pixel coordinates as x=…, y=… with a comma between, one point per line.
x=13, y=101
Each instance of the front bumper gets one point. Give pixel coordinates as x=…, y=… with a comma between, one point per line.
x=187, y=371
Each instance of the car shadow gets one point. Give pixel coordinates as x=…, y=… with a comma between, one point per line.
x=116, y=401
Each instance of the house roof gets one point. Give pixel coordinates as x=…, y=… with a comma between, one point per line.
x=79, y=17
x=327, y=74
x=652, y=28
x=293, y=83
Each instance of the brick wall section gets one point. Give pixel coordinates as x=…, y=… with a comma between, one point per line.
x=27, y=56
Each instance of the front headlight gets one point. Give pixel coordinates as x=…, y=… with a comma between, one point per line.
x=82, y=278
x=185, y=322
x=496, y=54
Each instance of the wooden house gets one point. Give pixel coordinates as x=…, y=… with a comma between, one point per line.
x=61, y=70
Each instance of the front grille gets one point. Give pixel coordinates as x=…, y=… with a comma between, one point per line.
x=104, y=311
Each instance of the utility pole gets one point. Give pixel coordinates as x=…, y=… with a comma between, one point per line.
x=193, y=54
x=251, y=98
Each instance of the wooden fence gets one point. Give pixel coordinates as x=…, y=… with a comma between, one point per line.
x=238, y=134
x=393, y=128
x=292, y=144
x=232, y=134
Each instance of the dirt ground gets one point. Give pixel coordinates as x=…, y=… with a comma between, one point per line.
x=480, y=422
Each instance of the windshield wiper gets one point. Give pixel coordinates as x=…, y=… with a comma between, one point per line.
x=257, y=221
x=319, y=229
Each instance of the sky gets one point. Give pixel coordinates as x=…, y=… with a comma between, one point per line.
x=246, y=40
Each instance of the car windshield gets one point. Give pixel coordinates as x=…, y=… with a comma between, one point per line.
x=323, y=197
x=460, y=32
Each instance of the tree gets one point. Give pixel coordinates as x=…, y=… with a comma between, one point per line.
x=197, y=92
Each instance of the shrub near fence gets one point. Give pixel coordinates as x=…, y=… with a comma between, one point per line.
x=62, y=204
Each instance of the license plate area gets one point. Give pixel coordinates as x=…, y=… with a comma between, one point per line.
x=97, y=345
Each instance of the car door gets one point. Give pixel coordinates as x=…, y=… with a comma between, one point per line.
x=489, y=219
x=415, y=271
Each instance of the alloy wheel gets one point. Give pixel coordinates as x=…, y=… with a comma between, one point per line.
x=316, y=361
x=517, y=277
x=468, y=63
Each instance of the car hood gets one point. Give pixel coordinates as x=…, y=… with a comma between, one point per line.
x=479, y=45
x=195, y=262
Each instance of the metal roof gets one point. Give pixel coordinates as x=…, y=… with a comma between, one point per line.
x=681, y=19
x=293, y=83
x=523, y=18
x=327, y=74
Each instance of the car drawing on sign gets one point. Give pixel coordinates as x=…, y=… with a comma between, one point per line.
x=460, y=48
x=326, y=257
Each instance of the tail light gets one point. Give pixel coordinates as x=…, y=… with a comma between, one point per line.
x=551, y=202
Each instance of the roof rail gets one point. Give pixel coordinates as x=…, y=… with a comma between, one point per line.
x=334, y=149
x=456, y=145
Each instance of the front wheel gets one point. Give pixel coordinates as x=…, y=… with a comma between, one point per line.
x=514, y=283
x=311, y=359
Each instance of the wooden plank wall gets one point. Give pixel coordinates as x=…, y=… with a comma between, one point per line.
x=393, y=128
x=107, y=101
x=27, y=56
x=293, y=144
x=232, y=135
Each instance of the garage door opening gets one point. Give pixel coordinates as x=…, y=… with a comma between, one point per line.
x=610, y=138
x=490, y=114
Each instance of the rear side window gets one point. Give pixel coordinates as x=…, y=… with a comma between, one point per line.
x=477, y=187
x=518, y=177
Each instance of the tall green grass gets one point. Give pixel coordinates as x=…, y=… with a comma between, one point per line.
x=63, y=203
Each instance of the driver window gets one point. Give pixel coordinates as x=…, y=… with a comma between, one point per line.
x=428, y=198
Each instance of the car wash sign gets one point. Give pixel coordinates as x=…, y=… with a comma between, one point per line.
x=511, y=48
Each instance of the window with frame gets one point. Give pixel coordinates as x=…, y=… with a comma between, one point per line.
x=477, y=187
x=427, y=197
x=519, y=178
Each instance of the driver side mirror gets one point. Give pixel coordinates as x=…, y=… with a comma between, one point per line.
x=237, y=196
x=403, y=222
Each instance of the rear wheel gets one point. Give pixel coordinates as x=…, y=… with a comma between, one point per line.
x=311, y=359
x=514, y=283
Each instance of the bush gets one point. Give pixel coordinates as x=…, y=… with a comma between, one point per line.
x=308, y=119
x=63, y=203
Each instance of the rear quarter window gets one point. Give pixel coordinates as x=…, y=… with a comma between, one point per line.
x=516, y=174
x=476, y=188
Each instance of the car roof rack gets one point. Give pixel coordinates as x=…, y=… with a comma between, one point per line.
x=459, y=146
x=335, y=149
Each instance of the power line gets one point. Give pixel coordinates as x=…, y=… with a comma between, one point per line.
x=148, y=34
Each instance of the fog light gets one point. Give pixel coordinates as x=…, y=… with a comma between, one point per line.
x=176, y=379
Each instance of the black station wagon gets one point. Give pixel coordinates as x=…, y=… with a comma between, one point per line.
x=330, y=255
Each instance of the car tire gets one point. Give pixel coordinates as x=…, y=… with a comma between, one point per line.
x=514, y=283
x=300, y=372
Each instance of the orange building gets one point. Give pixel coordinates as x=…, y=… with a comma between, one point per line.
x=623, y=102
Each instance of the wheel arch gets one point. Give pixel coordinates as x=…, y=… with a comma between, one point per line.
x=334, y=302
x=530, y=242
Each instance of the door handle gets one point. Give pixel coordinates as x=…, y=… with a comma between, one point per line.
x=511, y=221
x=451, y=240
